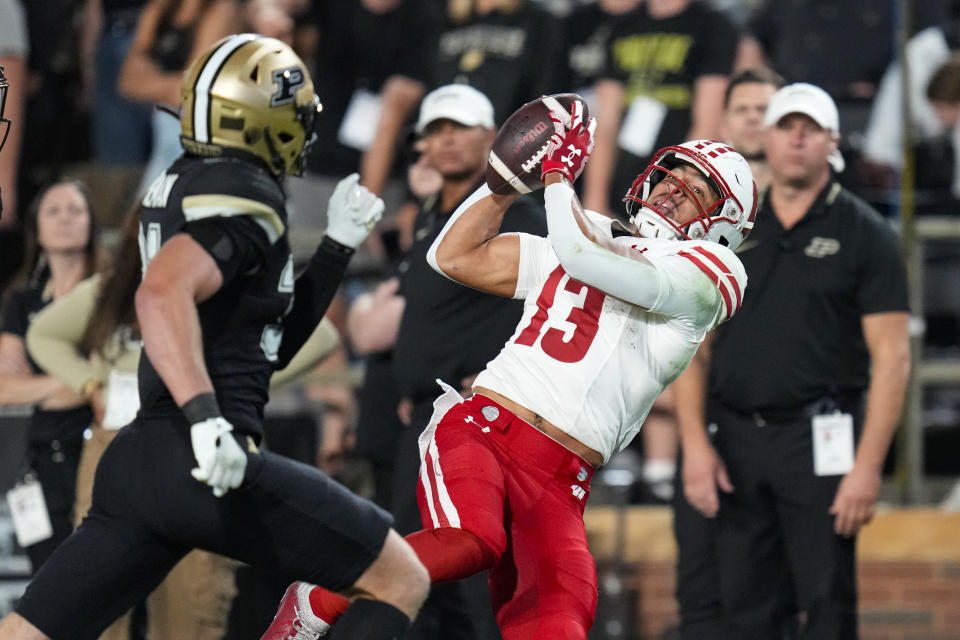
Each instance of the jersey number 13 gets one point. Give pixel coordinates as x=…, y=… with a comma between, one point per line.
x=585, y=320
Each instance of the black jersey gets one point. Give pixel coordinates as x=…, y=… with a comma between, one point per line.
x=236, y=211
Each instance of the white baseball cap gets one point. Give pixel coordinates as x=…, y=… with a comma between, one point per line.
x=458, y=102
x=811, y=101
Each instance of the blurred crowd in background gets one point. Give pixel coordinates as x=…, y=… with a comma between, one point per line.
x=87, y=78
x=94, y=84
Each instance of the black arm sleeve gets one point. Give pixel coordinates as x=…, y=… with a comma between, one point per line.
x=313, y=291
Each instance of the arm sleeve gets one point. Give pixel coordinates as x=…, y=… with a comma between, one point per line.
x=313, y=291
x=670, y=284
x=55, y=333
x=633, y=280
x=882, y=285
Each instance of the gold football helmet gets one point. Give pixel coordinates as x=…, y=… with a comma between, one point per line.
x=252, y=93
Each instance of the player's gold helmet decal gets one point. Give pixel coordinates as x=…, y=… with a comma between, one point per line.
x=252, y=93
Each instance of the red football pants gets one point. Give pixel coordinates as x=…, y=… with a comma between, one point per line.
x=488, y=472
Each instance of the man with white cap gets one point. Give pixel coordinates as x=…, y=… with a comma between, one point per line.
x=803, y=389
x=439, y=329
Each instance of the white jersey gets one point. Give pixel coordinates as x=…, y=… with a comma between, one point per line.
x=593, y=364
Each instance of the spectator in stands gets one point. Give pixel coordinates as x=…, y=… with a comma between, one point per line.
x=667, y=68
x=499, y=47
x=804, y=42
x=52, y=88
x=744, y=106
x=62, y=251
x=120, y=127
x=269, y=18
x=943, y=94
x=586, y=32
x=170, y=34
x=372, y=69
x=883, y=144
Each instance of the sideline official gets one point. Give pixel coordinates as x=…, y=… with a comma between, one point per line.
x=806, y=385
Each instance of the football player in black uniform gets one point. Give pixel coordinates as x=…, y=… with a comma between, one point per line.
x=220, y=309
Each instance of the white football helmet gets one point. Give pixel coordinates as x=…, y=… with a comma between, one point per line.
x=728, y=222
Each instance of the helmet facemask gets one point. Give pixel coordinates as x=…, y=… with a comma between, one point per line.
x=723, y=221
x=653, y=214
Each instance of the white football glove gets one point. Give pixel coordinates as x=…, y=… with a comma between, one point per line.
x=221, y=462
x=352, y=212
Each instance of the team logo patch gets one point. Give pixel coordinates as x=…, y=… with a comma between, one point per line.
x=582, y=474
x=288, y=81
x=490, y=413
x=822, y=247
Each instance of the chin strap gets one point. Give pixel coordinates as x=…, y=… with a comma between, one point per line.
x=650, y=228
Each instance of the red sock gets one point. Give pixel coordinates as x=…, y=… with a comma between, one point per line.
x=327, y=605
x=448, y=554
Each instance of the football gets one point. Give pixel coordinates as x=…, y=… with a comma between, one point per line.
x=518, y=149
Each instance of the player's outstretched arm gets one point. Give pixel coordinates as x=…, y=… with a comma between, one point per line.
x=587, y=253
x=352, y=213
x=591, y=256
x=471, y=250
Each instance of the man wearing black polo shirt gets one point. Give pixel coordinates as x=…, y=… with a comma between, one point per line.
x=805, y=388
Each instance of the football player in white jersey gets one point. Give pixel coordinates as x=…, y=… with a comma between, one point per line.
x=613, y=313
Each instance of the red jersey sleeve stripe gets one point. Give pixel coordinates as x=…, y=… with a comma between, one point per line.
x=724, y=269
x=721, y=286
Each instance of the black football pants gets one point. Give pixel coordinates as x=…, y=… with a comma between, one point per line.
x=776, y=526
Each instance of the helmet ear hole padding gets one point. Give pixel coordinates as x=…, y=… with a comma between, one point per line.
x=240, y=91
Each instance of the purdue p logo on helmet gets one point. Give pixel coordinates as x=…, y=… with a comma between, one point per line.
x=251, y=93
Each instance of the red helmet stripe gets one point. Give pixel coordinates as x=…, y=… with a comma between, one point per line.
x=722, y=286
x=723, y=269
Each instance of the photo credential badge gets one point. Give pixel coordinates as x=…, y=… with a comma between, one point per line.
x=833, y=449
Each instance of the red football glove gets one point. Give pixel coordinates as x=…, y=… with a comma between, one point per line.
x=569, y=147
